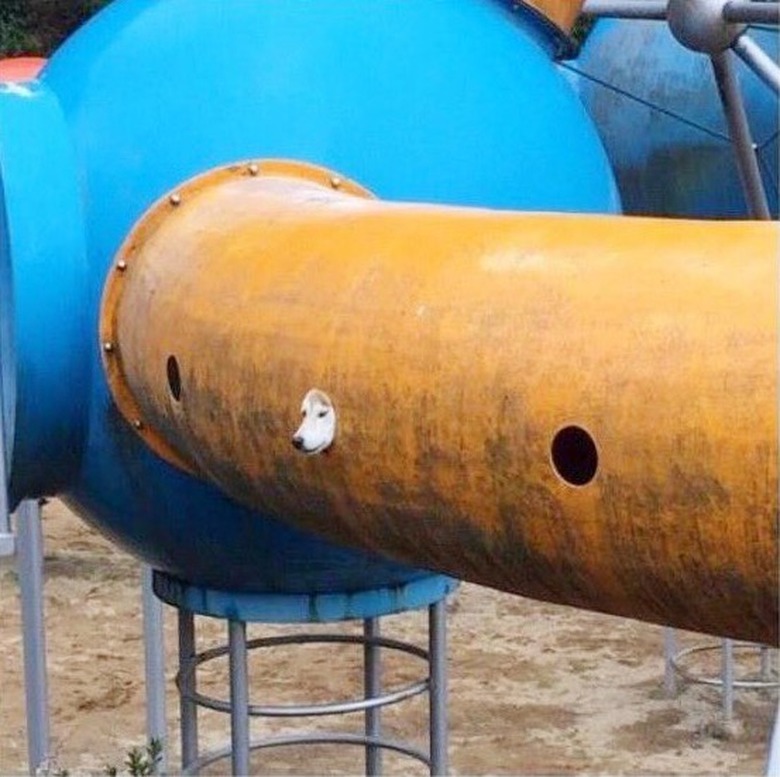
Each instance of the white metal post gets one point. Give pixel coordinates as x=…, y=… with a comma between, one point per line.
x=6, y=536
x=154, y=656
x=30, y=569
x=372, y=684
x=239, y=697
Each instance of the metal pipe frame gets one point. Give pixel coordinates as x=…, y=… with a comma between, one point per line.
x=30, y=569
x=240, y=709
x=670, y=651
x=437, y=694
x=727, y=679
x=736, y=12
x=239, y=697
x=741, y=139
x=716, y=681
x=626, y=9
x=773, y=759
x=372, y=683
x=758, y=61
x=154, y=666
x=765, y=663
x=313, y=739
x=751, y=12
x=187, y=681
x=186, y=685
x=6, y=535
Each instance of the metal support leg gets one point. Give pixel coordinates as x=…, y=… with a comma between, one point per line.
x=372, y=683
x=773, y=760
x=758, y=61
x=30, y=567
x=188, y=708
x=6, y=535
x=741, y=139
x=670, y=650
x=154, y=656
x=437, y=648
x=239, y=697
x=765, y=671
x=727, y=678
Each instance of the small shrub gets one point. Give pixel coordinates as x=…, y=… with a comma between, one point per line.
x=139, y=761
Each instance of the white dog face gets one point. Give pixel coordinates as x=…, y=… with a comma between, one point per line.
x=318, y=428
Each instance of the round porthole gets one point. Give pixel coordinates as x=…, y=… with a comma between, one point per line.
x=575, y=456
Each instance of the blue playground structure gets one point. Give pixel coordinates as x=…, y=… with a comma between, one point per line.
x=468, y=103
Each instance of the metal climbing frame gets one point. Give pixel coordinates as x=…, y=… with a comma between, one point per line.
x=716, y=28
x=241, y=710
x=727, y=679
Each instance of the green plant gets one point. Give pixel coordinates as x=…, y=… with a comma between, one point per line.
x=140, y=761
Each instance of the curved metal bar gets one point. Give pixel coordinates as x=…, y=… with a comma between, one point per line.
x=758, y=61
x=185, y=678
x=307, y=639
x=626, y=9
x=312, y=739
x=751, y=12
x=741, y=139
x=717, y=682
x=296, y=711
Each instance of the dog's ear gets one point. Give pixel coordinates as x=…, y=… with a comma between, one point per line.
x=316, y=395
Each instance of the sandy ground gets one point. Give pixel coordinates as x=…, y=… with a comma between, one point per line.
x=534, y=688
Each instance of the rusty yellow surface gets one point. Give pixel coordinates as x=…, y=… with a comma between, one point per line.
x=562, y=13
x=455, y=344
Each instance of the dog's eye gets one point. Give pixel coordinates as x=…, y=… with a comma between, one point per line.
x=303, y=413
x=322, y=414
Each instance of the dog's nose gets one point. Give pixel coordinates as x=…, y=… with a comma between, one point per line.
x=297, y=442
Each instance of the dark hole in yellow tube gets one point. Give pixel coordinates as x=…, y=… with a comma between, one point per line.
x=574, y=456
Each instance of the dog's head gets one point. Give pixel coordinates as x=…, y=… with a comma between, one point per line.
x=318, y=428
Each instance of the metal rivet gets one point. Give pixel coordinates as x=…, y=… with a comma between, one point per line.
x=253, y=169
x=335, y=182
x=121, y=265
x=138, y=423
x=108, y=346
x=175, y=199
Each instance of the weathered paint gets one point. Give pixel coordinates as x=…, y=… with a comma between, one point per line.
x=455, y=344
x=562, y=13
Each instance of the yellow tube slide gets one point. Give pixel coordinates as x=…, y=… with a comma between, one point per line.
x=579, y=409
